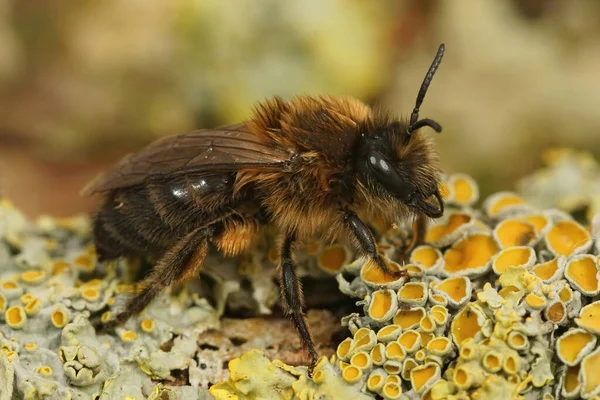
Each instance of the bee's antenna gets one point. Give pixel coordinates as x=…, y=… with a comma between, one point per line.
x=415, y=122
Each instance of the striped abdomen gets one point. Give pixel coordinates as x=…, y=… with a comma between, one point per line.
x=146, y=220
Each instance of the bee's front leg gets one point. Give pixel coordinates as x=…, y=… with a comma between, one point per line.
x=366, y=241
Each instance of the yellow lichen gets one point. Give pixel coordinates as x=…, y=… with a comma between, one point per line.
x=583, y=273
x=410, y=340
x=352, y=374
x=568, y=238
x=546, y=271
x=590, y=378
x=572, y=346
x=439, y=346
x=422, y=377
x=129, y=336
x=501, y=202
x=589, y=318
x=383, y=305
x=515, y=232
x=394, y=351
x=378, y=354
x=464, y=189
x=15, y=317
x=407, y=319
x=467, y=324
x=374, y=276
x=33, y=277
x=470, y=256
x=361, y=360
x=439, y=232
x=33, y=306
x=413, y=293
x=389, y=333
x=147, y=325
x=513, y=256
x=456, y=290
x=59, y=317
x=44, y=371
x=571, y=382
x=332, y=258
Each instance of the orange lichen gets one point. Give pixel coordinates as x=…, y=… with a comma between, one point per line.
x=59, y=267
x=377, y=354
x=85, y=262
x=515, y=232
x=590, y=377
x=426, y=256
x=33, y=277
x=439, y=346
x=464, y=189
x=410, y=340
x=415, y=292
x=511, y=364
x=375, y=381
x=394, y=351
x=471, y=255
x=59, y=318
x=8, y=285
x=571, y=383
x=383, y=305
x=147, y=325
x=546, y=271
x=536, y=302
x=513, y=256
x=409, y=318
x=343, y=348
x=373, y=275
x=422, y=376
x=556, y=312
x=573, y=345
x=15, y=317
x=539, y=221
x=467, y=324
x=407, y=367
x=389, y=333
x=129, y=336
x=361, y=360
x=457, y=290
x=33, y=306
x=391, y=390
x=582, y=271
x=567, y=238
x=352, y=374
x=589, y=317
x=332, y=258
x=427, y=324
x=437, y=232
x=90, y=294
x=503, y=201
x=492, y=361
x=439, y=314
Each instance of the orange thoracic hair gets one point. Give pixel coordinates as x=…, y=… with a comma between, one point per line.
x=324, y=131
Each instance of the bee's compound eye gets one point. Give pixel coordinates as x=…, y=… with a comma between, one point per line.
x=386, y=174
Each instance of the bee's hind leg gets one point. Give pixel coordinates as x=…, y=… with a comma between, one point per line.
x=180, y=263
x=292, y=298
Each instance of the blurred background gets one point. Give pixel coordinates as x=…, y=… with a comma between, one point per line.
x=83, y=83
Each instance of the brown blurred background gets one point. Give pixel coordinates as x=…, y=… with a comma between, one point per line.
x=82, y=83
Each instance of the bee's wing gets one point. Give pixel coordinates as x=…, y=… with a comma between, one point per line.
x=217, y=150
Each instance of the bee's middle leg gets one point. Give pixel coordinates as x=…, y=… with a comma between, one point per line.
x=292, y=298
x=366, y=241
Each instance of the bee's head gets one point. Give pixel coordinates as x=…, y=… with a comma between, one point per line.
x=396, y=161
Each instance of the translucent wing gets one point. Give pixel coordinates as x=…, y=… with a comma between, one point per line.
x=224, y=149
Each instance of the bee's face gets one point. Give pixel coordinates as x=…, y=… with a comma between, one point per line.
x=405, y=169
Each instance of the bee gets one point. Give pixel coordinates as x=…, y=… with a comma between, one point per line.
x=312, y=165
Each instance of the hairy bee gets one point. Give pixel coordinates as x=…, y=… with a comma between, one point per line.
x=309, y=166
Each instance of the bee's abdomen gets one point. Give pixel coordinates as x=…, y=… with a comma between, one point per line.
x=147, y=220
